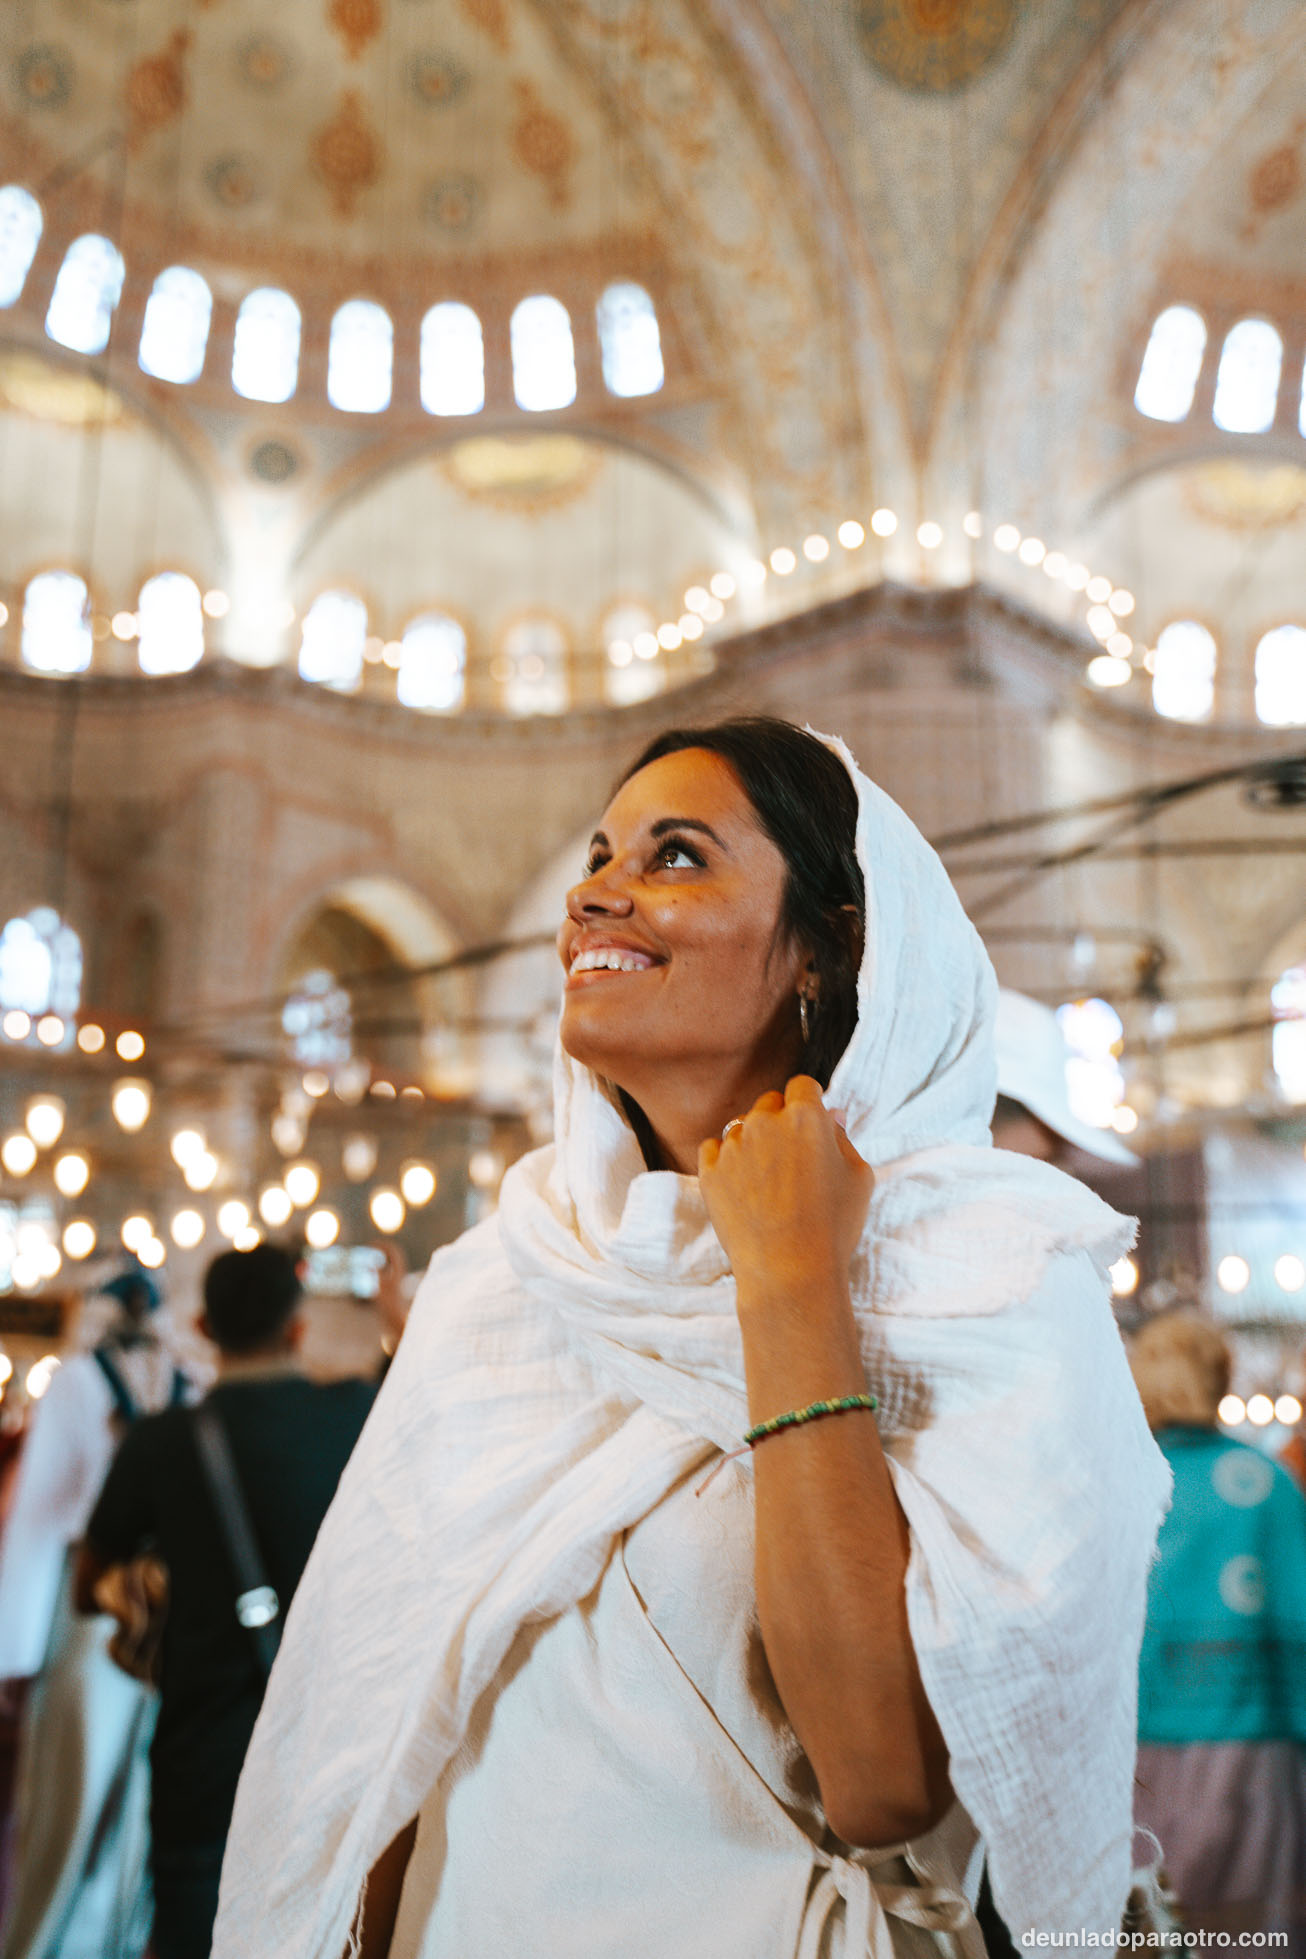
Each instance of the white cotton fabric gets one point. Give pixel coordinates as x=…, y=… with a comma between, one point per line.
x=569, y=1361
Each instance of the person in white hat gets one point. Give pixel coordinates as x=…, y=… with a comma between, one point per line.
x=1033, y=1116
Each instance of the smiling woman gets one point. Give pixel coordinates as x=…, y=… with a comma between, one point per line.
x=555, y=1692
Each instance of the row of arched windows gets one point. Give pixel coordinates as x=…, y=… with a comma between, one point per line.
x=532, y=667
x=1247, y=380
x=360, y=358
x=1184, y=663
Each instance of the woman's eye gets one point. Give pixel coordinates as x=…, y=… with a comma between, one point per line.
x=594, y=864
x=677, y=855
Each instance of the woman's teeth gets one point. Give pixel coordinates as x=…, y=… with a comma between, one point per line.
x=610, y=959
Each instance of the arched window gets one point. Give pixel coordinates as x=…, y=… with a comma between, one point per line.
x=543, y=357
x=20, y=234
x=85, y=294
x=40, y=965
x=535, y=668
x=335, y=631
x=56, y=625
x=265, y=353
x=171, y=620
x=432, y=664
x=176, y=329
x=453, y=361
x=1281, y=677
x=1183, y=671
x=629, y=341
x=1247, y=380
x=1094, y=1034
x=1288, y=1041
x=360, y=361
x=1167, y=380
x=632, y=670
x=317, y=1022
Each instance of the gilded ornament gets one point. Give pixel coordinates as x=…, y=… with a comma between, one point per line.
x=1275, y=180
x=543, y=143
x=357, y=22
x=934, y=46
x=491, y=16
x=346, y=154
x=1246, y=496
x=157, y=90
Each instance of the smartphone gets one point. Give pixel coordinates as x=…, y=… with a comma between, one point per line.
x=343, y=1271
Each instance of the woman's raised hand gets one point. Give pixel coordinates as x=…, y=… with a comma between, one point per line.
x=787, y=1194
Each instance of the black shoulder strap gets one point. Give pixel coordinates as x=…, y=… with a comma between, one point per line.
x=257, y=1605
x=123, y=1404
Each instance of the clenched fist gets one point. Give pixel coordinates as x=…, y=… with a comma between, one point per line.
x=787, y=1195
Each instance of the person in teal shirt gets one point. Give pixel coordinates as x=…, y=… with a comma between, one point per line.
x=1222, y=1679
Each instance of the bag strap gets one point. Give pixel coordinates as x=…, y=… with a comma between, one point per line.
x=124, y=1406
x=257, y=1605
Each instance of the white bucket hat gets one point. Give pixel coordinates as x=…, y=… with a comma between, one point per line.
x=1032, y=1057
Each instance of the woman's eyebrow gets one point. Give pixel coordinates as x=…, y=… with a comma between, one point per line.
x=665, y=825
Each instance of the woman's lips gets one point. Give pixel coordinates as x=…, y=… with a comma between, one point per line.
x=608, y=962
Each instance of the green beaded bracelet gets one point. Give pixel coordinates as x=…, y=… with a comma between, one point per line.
x=813, y=1412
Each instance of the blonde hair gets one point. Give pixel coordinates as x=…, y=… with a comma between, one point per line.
x=1181, y=1364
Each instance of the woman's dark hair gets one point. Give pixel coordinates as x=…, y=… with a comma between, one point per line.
x=804, y=799
x=249, y=1296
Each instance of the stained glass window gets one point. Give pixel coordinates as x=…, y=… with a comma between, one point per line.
x=1247, y=380
x=453, y=361
x=171, y=620
x=40, y=965
x=629, y=341
x=535, y=667
x=1281, y=677
x=360, y=359
x=20, y=234
x=56, y=625
x=1167, y=379
x=1183, y=672
x=265, y=353
x=432, y=664
x=543, y=356
x=85, y=294
x=176, y=329
x=335, y=631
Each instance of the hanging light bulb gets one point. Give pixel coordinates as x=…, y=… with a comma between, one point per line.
x=18, y=1154
x=417, y=1183
x=79, y=1238
x=187, y=1230
x=200, y=1171
x=358, y=1157
x=274, y=1205
x=233, y=1217
x=130, y=1103
x=302, y=1182
x=72, y=1173
x=135, y=1231
x=184, y=1145
x=45, y=1116
x=130, y=1045
x=387, y=1209
x=321, y=1228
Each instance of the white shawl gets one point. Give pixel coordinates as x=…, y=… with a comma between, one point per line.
x=566, y=1363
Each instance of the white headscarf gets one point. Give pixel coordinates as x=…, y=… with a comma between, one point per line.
x=568, y=1361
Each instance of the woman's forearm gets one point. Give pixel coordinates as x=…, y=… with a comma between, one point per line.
x=832, y=1549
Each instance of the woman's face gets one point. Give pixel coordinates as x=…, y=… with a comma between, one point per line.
x=678, y=974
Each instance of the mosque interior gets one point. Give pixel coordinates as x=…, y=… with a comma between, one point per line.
x=409, y=407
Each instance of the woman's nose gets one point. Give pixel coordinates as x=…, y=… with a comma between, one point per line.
x=602, y=895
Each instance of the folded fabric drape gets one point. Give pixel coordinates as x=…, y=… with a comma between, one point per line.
x=570, y=1360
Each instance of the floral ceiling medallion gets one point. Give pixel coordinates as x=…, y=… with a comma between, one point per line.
x=437, y=79
x=543, y=144
x=934, y=46
x=56, y=394
x=357, y=22
x=451, y=203
x=346, y=154
x=1244, y=496
x=157, y=89
x=233, y=182
x=527, y=474
x=264, y=64
x=44, y=76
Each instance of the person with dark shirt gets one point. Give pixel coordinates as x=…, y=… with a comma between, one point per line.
x=289, y=1439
